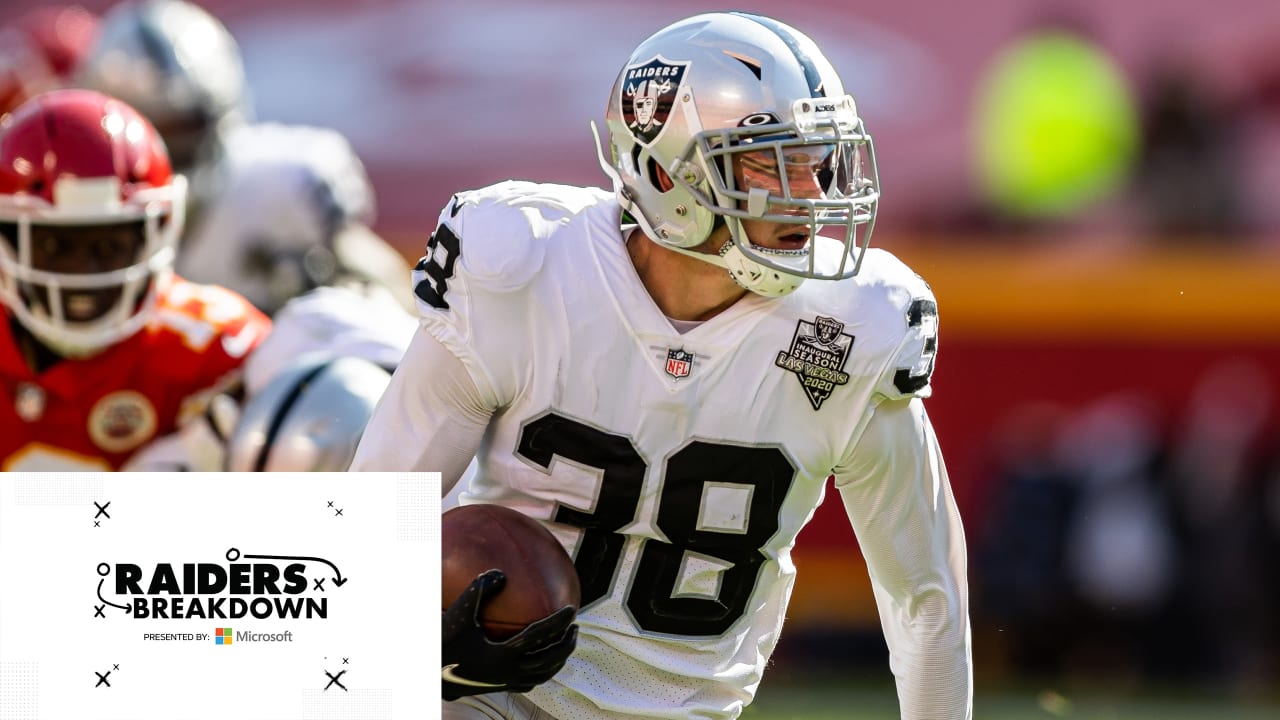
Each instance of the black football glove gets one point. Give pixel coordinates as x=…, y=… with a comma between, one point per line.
x=474, y=664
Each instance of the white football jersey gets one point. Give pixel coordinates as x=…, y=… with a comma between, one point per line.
x=272, y=206
x=677, y=469
x=339, y=321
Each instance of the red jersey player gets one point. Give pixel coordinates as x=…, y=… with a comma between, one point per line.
x=102, y=348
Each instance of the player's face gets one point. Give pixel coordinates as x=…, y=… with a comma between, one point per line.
x=644, y=109
x=805, y=168
x=77, y=250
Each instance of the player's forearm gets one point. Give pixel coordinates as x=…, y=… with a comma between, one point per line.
x=900, y=505
x=930, y=653
x=923, y=601
x=924, y=612
x=429, y=419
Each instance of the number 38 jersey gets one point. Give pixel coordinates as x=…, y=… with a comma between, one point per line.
x=677, y=469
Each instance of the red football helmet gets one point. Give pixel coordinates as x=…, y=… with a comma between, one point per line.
x=90, y=213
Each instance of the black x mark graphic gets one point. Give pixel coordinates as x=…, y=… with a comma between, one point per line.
x=337, y=512
x=319, y=584
x=344, y=661
x=96, y=523
x=102, y=679
x=333, y=680
x=102, y=509
x=97, y=611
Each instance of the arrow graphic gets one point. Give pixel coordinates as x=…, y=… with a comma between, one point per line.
x=338, y=580
x=108, y=602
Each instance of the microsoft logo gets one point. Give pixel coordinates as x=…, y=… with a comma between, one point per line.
x=222, y=636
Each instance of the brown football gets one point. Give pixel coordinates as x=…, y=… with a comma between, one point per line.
x=540, y=574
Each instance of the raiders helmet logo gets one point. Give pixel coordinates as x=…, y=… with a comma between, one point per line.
x=648, y=95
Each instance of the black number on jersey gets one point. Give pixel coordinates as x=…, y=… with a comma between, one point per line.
x=601, y=545
x=435, y=284
x=764, y=473
x=922, y=314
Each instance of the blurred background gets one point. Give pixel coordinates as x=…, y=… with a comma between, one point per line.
x=1091, y=187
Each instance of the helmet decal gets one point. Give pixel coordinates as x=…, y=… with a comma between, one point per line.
x=760, y=118
x=648, y=95
x=784, y=33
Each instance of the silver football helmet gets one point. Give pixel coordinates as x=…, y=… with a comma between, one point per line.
x=309, y=418
x=292, y=211
x=178, y=65
x=732, y=116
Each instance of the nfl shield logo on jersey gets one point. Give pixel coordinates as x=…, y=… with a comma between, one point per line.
x=679, y=363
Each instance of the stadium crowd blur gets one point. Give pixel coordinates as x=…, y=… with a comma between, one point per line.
x=1093, y=196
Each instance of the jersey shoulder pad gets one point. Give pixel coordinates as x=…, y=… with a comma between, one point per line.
x=910, y=313
x=207, y=320
x=496, y=238
x=201, y=337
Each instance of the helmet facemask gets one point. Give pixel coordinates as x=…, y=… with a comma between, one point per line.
x=735, y=119
x=47, y=301
x=817, y=172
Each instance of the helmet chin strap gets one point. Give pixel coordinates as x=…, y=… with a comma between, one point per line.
x=746, y=272
x=755, y=277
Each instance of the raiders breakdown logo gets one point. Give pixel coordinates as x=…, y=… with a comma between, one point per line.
x=122, y=421
x=648, y=93
x=819, y=350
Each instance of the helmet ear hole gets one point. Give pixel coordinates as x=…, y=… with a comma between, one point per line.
x=659, y=177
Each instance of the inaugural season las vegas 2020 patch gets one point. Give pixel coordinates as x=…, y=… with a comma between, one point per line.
x=818, y=352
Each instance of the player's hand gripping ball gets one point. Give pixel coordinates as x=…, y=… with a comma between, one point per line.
x=540, y=577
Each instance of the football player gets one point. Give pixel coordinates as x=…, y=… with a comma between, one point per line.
x=312, y=384
x=309, y=417
x=667, y=374
x=279, y=209
x=292, y=212
x=177, y=65
x=104, y=351
x=308, y=389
